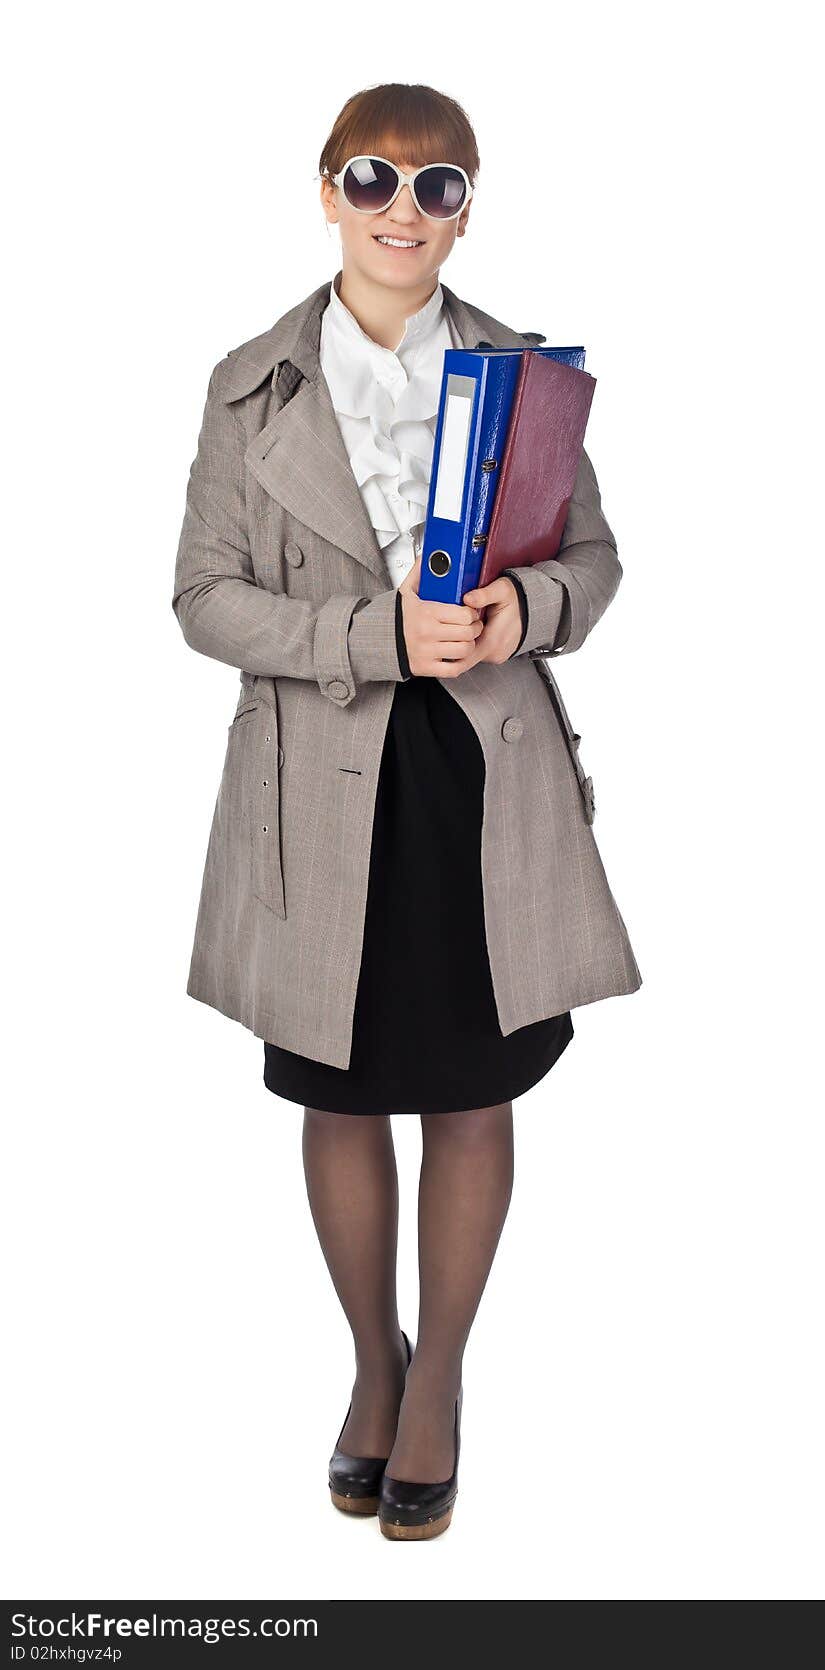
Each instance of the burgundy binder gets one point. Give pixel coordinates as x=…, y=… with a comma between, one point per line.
x=539, y=464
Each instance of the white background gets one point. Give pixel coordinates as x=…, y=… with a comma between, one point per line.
x=643, y=1386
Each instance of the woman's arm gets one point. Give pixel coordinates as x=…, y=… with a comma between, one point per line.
x=224, y=613
x=569, y=593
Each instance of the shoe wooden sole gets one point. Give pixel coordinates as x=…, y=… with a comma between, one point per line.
x=415, y=1533
x=354, y=1504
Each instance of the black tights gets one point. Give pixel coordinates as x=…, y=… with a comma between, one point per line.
x=464, y=1191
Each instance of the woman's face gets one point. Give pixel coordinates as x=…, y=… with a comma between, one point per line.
x=399, y=269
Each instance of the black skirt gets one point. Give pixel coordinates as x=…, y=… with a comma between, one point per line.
x=426, y=1036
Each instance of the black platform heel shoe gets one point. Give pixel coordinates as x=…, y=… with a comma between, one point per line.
x=355, y=1480
x=413, y=1512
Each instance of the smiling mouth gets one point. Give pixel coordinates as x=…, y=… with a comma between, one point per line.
x=387, y=242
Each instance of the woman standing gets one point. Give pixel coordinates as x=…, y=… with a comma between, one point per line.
x=402, y=896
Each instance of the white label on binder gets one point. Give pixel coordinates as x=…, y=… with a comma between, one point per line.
x=452, y=457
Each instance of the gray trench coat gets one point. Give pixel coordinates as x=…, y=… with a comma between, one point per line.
x=279, y=574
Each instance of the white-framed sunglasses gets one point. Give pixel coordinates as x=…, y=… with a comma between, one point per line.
x=439, y=190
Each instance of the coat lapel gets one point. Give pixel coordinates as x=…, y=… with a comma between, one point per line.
x=300, y=457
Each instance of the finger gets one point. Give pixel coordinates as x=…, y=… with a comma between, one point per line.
x=479, y=596
x=444, y=632
x=454, y=650
x=449, y=614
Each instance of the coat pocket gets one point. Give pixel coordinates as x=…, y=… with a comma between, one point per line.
x=571, y=737
x=254, y=742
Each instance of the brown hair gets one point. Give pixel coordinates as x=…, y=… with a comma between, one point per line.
x=415, y=121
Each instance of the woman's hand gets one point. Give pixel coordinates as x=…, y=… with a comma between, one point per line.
x=440, y=637
x=502, y=622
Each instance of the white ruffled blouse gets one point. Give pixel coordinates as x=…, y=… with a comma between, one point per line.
x=386, y=403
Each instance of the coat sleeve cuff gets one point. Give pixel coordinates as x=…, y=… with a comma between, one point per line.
x=372, y=640
x=545, y=606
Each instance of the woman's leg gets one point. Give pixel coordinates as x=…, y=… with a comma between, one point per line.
x=352, y=1184
x=464, y=1192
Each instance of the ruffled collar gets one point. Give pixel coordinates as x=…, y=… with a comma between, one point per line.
x=359, y=370
x=391, y=457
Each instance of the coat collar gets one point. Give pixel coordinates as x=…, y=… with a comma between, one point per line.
x=326, y=498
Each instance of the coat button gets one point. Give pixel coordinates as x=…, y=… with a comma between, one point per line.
x=512, y=729
x=337, y=688
x=293, y=553
x=280, y=754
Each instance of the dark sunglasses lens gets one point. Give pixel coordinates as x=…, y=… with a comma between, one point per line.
x=369, y=184
x=440, y=191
